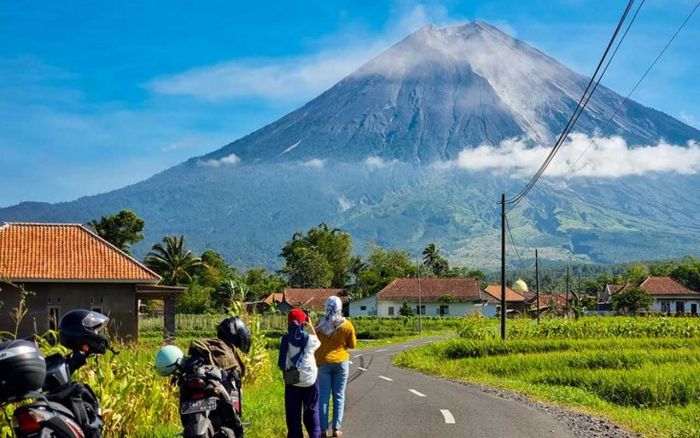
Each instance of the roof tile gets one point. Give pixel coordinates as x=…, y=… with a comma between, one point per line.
x=40, y=251
x=430, y=289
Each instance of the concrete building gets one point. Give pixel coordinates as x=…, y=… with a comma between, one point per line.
x=670, y=296
x=427, y=296
x=515, y=302
x=49, y=269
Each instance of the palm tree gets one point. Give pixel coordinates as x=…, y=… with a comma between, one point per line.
x=431, y=254
x=172, y=261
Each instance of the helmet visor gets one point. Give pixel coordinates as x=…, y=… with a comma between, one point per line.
x=95, y=321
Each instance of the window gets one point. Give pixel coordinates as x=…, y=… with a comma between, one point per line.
x=694, y=309
x=420, y=309
x=665, y=306
x=391, y=310
x=444, y=309
x=363, y=308
x=54, y=316
x=680, y=306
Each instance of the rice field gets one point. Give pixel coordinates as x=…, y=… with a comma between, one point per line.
x=642, y=373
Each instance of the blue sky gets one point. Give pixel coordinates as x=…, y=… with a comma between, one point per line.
x=97, y=95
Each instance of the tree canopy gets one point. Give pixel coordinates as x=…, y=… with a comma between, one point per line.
x=631, y=300
x=319, y=258
x=172, y=261
x=121, y=230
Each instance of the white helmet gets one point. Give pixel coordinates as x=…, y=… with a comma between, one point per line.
x=168, y=359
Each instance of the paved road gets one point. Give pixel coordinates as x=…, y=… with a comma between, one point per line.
x=386, y=401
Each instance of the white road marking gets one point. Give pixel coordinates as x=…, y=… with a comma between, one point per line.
x=362, y=369
x=386, y=378
x=380, y=351
x=419, y=394
x=449, y=419
x=356, y=356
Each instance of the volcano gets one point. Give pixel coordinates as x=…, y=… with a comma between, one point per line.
x=366, y=156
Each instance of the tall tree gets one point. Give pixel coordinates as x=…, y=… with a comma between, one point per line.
x=121, y=230
x=432, y=259
x=332, y=245
x=637, y=273
x=309, y=269
x=172, y=261
x=631, y=300
x=381, y=267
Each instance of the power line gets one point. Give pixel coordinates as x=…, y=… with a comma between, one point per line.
x=515, y=247
x=583, y=102
x=624, y=101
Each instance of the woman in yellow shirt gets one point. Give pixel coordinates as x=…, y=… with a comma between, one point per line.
x=337, y=336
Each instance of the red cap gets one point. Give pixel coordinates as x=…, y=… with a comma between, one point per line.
x=296, y=315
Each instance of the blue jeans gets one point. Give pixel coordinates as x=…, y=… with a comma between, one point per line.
x=332, y=378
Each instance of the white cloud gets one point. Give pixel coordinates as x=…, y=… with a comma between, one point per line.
x=374, y=163
x=228, y=160
x=296, y=77
x=315, y=163
x=606, y=157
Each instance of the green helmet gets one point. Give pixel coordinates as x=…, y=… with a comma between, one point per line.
x=168, y=359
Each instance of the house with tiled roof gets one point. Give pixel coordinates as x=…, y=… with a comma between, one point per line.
x=430, y=296
x=312, y=299
x=67, y=266
x=515, y=301
x=670, y=296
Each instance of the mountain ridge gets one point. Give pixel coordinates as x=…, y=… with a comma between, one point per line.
x=361, y=156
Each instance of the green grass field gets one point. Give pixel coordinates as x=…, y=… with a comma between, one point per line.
x=639, y=372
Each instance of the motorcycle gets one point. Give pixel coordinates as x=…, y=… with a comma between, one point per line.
x=210, y=382
x=62, y=408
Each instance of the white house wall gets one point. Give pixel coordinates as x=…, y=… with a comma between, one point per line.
x=656, y=305
x=366, y=306
x=431, y=309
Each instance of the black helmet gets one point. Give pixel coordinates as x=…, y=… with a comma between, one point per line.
x=79, y=330
x=233, y=331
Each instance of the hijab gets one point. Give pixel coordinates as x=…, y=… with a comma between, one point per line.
x=333, y=318
x=295, y=336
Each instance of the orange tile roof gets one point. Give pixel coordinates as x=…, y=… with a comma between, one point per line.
x=431, y=289
x=273, y=298
x=494, y=290
x=665, y=286
x=41, y=251
x=314, y=299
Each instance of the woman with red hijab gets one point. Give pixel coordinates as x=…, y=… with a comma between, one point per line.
x=298, y=363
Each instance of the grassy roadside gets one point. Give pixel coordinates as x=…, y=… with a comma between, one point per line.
x=648, y=385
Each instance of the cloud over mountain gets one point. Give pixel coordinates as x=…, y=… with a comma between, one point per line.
x=581, y=155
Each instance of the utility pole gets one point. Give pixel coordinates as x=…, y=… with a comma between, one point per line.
x=420, y=298
x=567, y=291
x=503, y=266
x=420, y=307
x=537, y=284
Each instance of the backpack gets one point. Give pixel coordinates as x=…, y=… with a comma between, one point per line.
x=217, y=353
x=83, y=403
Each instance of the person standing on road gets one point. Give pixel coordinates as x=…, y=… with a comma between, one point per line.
x=297, y=362
x=337, y=336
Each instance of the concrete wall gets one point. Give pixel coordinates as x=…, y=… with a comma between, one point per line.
x=366, y=306
x=116, y=300
x=431, y=309
x=688, y=304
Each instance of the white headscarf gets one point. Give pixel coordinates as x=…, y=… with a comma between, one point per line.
x=334, y=316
